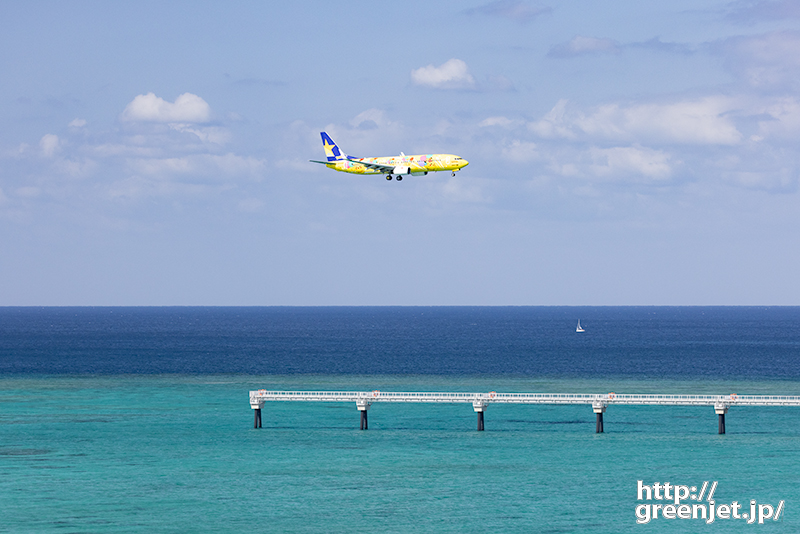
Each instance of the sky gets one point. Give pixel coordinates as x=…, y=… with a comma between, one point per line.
x=620, y=153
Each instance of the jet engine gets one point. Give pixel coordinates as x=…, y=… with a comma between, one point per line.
x=400, y=170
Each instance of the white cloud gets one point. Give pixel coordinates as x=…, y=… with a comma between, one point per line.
x=554, y=123
x=503, y=122
x=700, y=121
x=765, y=61
x=77, y=123
x=371, y=132
x=369, y=120
x=77, y=168
x=163, y=166
x=216, y=167
x=207, y=134
x=188, y=176
x=616, y=165
x=581, y=44
x=187, y=108
x=693, y=122
x=619, y=162
x=783, y=122
x=109, y=150
x=21, y=151
x=234, y=165
x=456, y=189
x=520, y=151
x=453, y=74
x=49, y=145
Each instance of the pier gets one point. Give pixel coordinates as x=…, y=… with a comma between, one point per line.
x=481, y=401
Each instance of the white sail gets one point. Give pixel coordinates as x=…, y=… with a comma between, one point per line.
x=579, y=329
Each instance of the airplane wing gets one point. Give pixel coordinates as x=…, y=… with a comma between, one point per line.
x=388, y=169
x=381, y=168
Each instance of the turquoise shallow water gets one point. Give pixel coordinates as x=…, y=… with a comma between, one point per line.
x=172, y=453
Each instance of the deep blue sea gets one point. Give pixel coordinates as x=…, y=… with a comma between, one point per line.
x=137, y=419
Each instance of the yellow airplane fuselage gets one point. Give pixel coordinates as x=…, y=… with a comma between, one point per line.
x=418, y=164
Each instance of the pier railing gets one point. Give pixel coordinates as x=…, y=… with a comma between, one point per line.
x=260, y=396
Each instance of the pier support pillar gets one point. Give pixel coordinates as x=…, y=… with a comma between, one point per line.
x=479, y=407
x=721, y=410
x=256, y=406
x=599, y=409
x=363, y=406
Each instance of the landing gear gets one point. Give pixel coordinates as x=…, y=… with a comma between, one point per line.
x=398, y=177
x=388, y=176
x=454, y=173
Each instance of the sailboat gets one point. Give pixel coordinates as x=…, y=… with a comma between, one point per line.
x=579, y=329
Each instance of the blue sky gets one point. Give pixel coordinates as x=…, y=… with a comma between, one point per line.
x=621, y=153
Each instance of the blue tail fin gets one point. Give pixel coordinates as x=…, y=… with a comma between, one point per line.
x=331, y=150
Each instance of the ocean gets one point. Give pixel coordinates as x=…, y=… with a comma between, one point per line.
x=137, y=419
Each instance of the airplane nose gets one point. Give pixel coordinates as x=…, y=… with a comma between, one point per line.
x=464, y=163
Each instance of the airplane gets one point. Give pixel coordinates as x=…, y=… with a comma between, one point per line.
x=397, y=166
